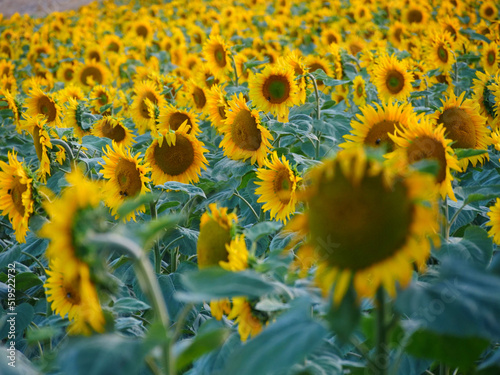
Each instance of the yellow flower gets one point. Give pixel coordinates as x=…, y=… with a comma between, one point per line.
x=237, y=258
x=146, y=94
x=488, y=10
x=464, y=126
x=217, y=107
x=425, y=140
x=73, y=118
x=392, y=79
x=489, y=57
x=364, y=223
x=75, y=297
x=90, y=74
x=494, y=222
x=100, y=96
x=359, y=92
x=171, y=118
x=126, y=177
x=274, y=90
x=216, y=52
x=440, y=51
x=376, y=124
x=216, y=230
x=277, y=188
x=248, y=324
x=244, y=136
x=36, y=126
x=39, y=103
x=482, y=88
x=114, y=129
x=16, y=195
x=176, y=156
x=296, y=61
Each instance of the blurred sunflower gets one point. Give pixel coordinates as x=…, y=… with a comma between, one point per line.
x=73, y=118
x=424, y=140
x=244, y=135
x=359, y=91
x=314, y=63
x=465, y=126
x=217, y=228
x=66, y=213
x=146, y=93
x=217, y=106
x=197, y=96
x=36, y=126
x=176, y=156
x=296, y=61
x=92, y=73
x=274, y=90
x=114, y=129
x=100, y=96
x=415, y=15
x=494, y=222
x=392, y=79
x=489, y=57
x=7, y=101
x=376, y=123
x=70, y=91
x=171, y=118
x=488, y=10
x=440, y=51
x=216, y=52
x=277, y=187
x=39, y=103
x=126, y=175
x=75, y=297
x=16, y=195
x=482, y=90
x=364, y=224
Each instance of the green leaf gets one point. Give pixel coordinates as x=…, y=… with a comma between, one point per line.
x=480, y=193
x=26, y=280
x=216, y=283
x=154, y=227
x=463, y=153
x=262, y=229
x=454, y=351
x=279, y=346
x=24, y=314
x=427, y=166
x=130, y=205
x=191, y=190
x=9, y=256
x=41, y=334
x=129, y=305
x=473, y=35
x=344, y=318
x=191, y=349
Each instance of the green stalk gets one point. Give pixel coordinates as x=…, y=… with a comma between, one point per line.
x=235, y=71
x=382, y=359
x=156, y=246
x=316, y=92
x=248, y=204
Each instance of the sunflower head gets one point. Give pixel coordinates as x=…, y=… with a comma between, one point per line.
x=114, y=129
x=171, y=118
x=147, y=97
x=40, y=103
x=217, y=55
x=217, y=228
x=494, y=222
x=364, y=223
x=392, y=79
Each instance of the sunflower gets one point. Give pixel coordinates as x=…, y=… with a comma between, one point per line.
x=364, y=223
x=440, y=51
x=112, y=43
x=244, y=135
x=90, y=74
x=274, y=90
x=101, y=96
x=376, y=123
x=482, y=90
x=392, y=79
x=114, y=129
x=36, y=126
x=196, y=97
x=75, y=297
x=488, y=10
x=359, y=91
x=126, y=177
x=73, y=118
x=7, y=101
x=424, y=140
x=216, y=52
x=16, y=195
x=277, y=188
x=397, y=31
x=39, y=103
x=217, y=106
x=70, y=91
x=171, y=118
x=494, y=222
x=489, y=57
x=415, y=15
x=145, y=93
x=241, y=60
x=217, y=227
x=464, y=126
x=329, y=36
x=67, y=214
x=296, y=61
x=176, y=156
x=314, y=63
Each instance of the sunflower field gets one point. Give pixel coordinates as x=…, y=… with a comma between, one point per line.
x=251, y=187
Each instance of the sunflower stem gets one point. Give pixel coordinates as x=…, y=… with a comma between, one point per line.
x=382, y=360
x=156, y=246
x=248, y=204
x=235, y=71
x=148, y=283
x=35, y=259
x=173, y=259
x=456, y=71
x=315, y=93
x=446, y=223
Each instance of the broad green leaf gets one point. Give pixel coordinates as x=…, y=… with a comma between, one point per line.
x=27, y=280
x=463, y=153
x=129, y=305
x=189, y=189
x=133, y=204
x=262, y=229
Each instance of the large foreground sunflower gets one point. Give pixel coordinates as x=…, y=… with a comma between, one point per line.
x=277, y=187
x=427, y=141
x=274, y=90
x=75, y=297
x=464, y=126
x=126, y=177
x=392, y=79
x=377, y=123
x=244, y=136
x=16, y=195
x=364, y=224
x=176, y=156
